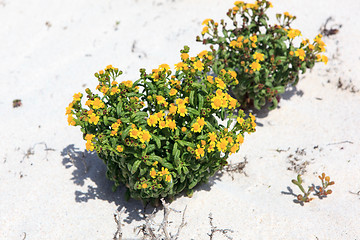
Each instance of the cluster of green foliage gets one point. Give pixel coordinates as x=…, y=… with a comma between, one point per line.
x=267, y=58
x=161, y=134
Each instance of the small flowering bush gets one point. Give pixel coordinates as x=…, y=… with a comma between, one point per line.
x=265, y=57
x=161, y=134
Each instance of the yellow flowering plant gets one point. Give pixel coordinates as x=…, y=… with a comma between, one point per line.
x=162, y=134
x=266, y=58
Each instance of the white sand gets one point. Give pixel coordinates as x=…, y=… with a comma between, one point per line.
x=46, y=195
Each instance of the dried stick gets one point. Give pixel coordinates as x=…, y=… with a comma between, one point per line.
x=117, y=218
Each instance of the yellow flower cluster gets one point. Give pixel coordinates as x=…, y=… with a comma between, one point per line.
x=163, y=173
x=89, y=144
x=159, y=118
x=198, y=125
x=115, y=128
x=292, y=33
x=138, y=133
x=223, y=100
x=92, y=117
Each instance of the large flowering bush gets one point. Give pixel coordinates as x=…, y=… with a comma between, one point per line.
x=161, y=134
x=265, y=57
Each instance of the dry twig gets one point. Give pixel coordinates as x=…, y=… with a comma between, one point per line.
x=215, y=229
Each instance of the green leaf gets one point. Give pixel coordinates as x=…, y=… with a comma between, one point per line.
x=201, y=101
x=192, y=93
x=177, y=154
x=156, y=139
x=193, y=183
x=280, y=89
x=185, y=170
x=126, y=132
x=112, y=119
x=106, y=121
x=174, y=148
x=119, y=108
x=155, y=158
x=143, y=171
x=185, y=143
x=193, y=111
x=135, y=166
x=210, y=126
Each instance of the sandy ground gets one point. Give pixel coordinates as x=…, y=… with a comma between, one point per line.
x=51, y=189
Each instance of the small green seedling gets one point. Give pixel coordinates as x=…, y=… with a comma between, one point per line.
x=322, y=192
x=305, y=197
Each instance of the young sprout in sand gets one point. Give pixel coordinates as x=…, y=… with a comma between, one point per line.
x=322, y=192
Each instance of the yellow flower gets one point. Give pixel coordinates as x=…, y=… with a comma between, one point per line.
x=180, y=101
x=234, y=148
x=152, y=120
x=164, y=171
x=240, y=138
x=253, y=38
x=201, y=121
x=222, y=144
x=89, y=146
x=144, y=185
x=183, y=129
x=202, y=54
x=168, y=178
x=196, y=127
x=101, y=72
x=300, y=53
x=220, y=83
x=324, y=59
x=160, y=99
x=173, y=92
x=205, y=30
x=155, y=163
x=203, y=142
x=97, y=103
x=134, y=133
x=128, y=83
x=240, y=120
x=258, y=56
x=211, y=148
x=94, y=119
x=179, y=66
x=77, y=96
x=292, y=33
x=206, y=21
x=164, y=66
x=172, y=109
x=232, y=103
x=184, y=56
x=153, y=173
x=216, y=102
x=233, y=74
x=89, y=137
x=120, y=148
x=160, y=114
x=212, y=136
x=255, y=66
x=145, y=137
x=162, y=124
x=171, y=124
x=182, y=110
x=199, y=65
x=109, y=67
x=114, y=90
x=199, y=152
x=210, y=79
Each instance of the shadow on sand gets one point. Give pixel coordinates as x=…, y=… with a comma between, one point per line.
x=88, y=166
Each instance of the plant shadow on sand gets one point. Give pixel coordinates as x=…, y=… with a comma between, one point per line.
x=264, y=111
x=88, y=166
